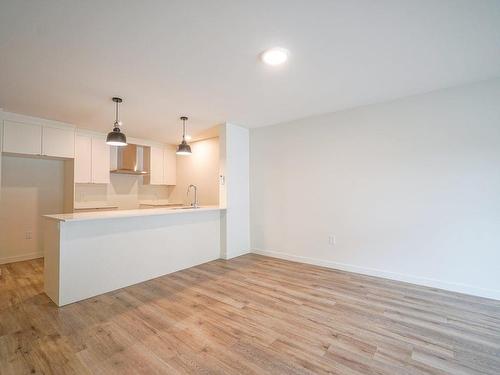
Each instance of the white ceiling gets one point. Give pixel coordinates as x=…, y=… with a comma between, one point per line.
x=64, y=60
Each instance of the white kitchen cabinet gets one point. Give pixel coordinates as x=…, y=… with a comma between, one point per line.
x=161, y=163
x=58, y=142
x=156, y=166
x=92, y=159
x=100, y=160
x=36, y=139
x=83, y=159
x=169, y=165
x=22, y=138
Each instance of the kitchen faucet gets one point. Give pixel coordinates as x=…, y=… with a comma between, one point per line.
x=194, y=204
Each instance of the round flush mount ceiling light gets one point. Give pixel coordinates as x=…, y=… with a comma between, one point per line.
x=275, y=56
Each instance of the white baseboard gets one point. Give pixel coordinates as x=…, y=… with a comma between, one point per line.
x=20, y=258
x=234, y=255
x=433, y=283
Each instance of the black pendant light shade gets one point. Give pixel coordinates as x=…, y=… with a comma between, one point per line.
x=116, y=137
x=183, y=148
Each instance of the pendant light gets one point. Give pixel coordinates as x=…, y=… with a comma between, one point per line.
x=183, y=148
x=116, y=137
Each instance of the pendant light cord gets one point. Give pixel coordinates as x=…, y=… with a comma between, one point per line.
x=183, y=129
x=116, y=115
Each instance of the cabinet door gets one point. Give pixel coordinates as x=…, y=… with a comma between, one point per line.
x=83, y=164
x=100, y=160
x=58, y=142
x=169, y=165
x=156, y=166
x=22, y=138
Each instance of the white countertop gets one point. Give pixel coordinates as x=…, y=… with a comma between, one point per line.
x=116, y=214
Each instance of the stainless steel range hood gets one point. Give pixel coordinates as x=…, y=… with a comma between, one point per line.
x=130, y=160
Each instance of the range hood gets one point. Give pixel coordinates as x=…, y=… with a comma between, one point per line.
x=130, y=160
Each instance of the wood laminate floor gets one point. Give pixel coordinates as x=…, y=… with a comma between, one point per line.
x=249, y=315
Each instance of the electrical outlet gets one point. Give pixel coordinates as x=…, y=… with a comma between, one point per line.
x=28, y=235
x=331, y=240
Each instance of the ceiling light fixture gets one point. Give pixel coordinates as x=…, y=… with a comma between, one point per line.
x=116, y=137
x=275, y=56
x=183, y=148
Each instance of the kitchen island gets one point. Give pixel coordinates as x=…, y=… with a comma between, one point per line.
x=90, y=253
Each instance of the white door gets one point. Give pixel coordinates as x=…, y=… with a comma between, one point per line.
x=83, y=157
x=58, y=142
x=22, y=138
x=169, y=165
x=100, y=160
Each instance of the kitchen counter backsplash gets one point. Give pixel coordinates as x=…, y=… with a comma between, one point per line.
x=123, y=192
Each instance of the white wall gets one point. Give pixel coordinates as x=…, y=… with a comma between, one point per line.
x=201, y=168
x=30, y=188
x=235, y=192
x=410, y=189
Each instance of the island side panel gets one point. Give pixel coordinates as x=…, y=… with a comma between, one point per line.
x=98, y=256
x=51, y=243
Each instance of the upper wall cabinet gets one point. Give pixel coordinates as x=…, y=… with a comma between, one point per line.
x=161, y=163
x=58, y=142
x=169, y=165
x=156, y=166
x=22, y=138
x=83, y=159
x=35, y=139
x=92, y=159
x=100, y=160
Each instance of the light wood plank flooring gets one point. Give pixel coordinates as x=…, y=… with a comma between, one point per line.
x=249, y=315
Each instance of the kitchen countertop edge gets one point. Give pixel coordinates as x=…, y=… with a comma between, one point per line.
x=119, y=214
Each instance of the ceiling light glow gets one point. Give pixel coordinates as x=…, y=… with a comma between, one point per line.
x=275, y=56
